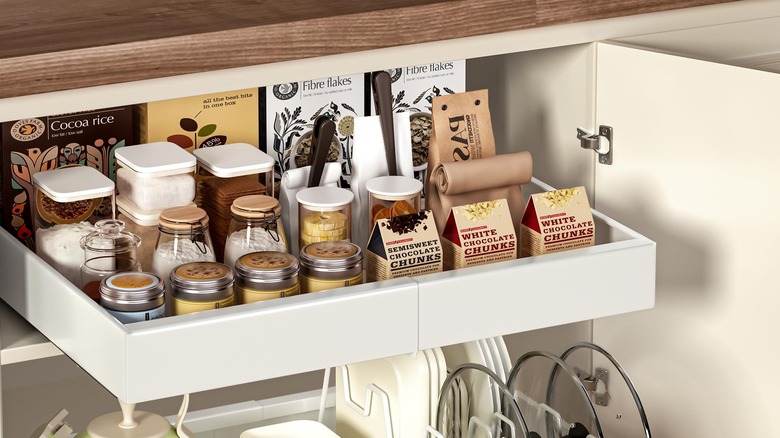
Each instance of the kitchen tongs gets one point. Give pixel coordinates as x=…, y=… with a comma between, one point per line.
x=321, y=137
x=383, y=103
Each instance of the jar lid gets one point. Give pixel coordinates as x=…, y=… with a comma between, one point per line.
x=332, y=198
x=234, y=159
x=394, y=187
x=183, y=218
x=202, y=281
x=110, y=236
x=161, y=158
x=331, y=255
x=130, y=291
x=266, y=266
x=135, y=213
x=256, y=206
x=73, y=183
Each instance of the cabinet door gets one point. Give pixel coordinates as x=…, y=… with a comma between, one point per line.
x=695, y=169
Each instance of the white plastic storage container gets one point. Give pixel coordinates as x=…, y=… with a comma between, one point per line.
x=234, y=160
x=155, y=176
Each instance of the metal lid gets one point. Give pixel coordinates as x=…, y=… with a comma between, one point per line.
x=331, y=255
x=132, y=291
x=202, y=281
x=234, y=159
x=183, y=218
x=266, y=266
x=73, y=183
x=256, y=207
x=331, y=198
x=161, y=158
x=110, y=236
x=394, y=187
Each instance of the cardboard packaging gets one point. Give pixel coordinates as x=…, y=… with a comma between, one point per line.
x=44, y=143
x=555, y=221
x=403, y=246
x=479, y=233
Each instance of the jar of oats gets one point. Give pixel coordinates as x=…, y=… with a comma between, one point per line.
x=330, y=265
x=201, y=286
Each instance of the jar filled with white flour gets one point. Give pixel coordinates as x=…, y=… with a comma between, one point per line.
x=184, y=238
x=255, y=225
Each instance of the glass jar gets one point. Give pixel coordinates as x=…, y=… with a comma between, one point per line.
x=330, y=265
x=155, y=176
x=324, y=214
x=133, y=296
x=199, y=286
x=110, y=238
x=391, y=196
x=183, y=238
x=266, y=275
x=255, y=225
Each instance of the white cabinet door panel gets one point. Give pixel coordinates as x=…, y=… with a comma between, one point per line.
x=696, y=170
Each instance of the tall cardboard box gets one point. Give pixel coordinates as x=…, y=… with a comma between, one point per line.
x=44, y=143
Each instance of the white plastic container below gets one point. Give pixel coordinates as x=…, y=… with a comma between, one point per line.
x=291, y=429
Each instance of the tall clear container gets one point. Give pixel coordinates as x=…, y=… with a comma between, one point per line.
x=324, y=214
x=255, y=225
x=391, y=196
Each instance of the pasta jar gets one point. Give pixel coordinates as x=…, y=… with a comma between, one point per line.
x=266, y=275
x=324, y=214
x=201, y=286
x=255, y=225
x=133, y=296
x=330, y=265
x=183, y=238
x=391, y=196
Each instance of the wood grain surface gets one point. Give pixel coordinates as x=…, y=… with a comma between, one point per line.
x=48, y=45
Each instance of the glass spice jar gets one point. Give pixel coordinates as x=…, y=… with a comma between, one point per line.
x=255, y=225
x=324, y=214
x=133, y=296
x=183, y=238
x=330, y=265
x=201, y=286
x=392, y=196
x=265, y=275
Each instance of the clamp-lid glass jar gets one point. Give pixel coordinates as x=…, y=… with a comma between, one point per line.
x=324, y=214
x=155, y=176
x=391, y=196
x=133, y=296
x=330, y=265
x=183, y=238
x=255, y=225
x=201, y=286
x=266, y=275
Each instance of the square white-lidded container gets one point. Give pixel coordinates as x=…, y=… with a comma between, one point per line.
x=155, y=176
x=237, y=159
x=73, y=183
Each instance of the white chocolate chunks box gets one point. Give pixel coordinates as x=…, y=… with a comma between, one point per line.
x=558, y=220
x=479, y=233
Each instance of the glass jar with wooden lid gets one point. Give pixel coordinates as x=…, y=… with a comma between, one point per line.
x=183, y=238
x=255, y=225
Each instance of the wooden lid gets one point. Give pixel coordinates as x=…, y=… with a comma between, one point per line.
x=183, y=218
x=256, y=206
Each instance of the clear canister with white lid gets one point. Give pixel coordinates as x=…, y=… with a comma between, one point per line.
x=391, y=196
x=183, y=238
x=199, y=286
x=155, y=176
x=236, y=159
x=255, y=225
x=266, y=275
x=324, y=214
x=133, y=296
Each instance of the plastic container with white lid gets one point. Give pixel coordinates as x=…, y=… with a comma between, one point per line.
x=324, y=214
x=390, y=196
x=236, y=159
x=157, y=175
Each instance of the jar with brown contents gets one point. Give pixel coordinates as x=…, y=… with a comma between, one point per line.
x=266, y=275
x=201, y=286
x=330, y=265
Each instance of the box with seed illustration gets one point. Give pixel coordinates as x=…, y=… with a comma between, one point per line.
x=479, y=233
x=290, y=111
x=403, y=246
x=555, y=221
x=201, y=121
x=44, y=143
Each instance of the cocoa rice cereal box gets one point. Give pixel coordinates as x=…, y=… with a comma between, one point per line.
x=555, y=221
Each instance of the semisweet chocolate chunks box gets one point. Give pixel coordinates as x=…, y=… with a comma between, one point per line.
x=479, y=233
x=403, y=246
x=557, y=220
x=44, y=143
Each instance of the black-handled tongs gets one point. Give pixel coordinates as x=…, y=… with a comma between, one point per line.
x=321, y=137
x=383, y=103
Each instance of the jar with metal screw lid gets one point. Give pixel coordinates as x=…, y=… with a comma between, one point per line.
x=330, y=265
x=201, y=286
x=255, y=225
x=133, y=296
x=266, y=275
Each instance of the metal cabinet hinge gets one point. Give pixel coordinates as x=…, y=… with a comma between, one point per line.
x=601, y=142
x=596, y=385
